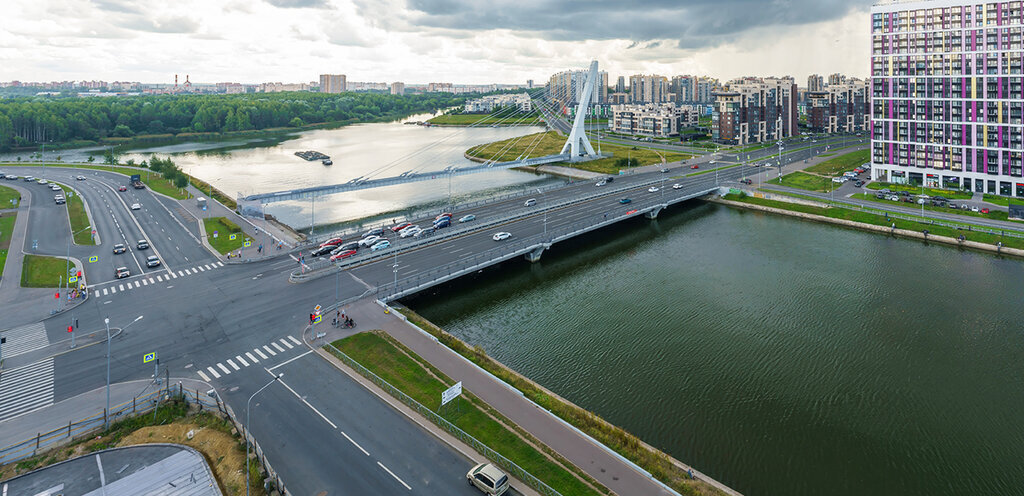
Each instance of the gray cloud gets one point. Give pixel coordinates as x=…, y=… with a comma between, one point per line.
x=124, y=6
x=166, y=25
x=692, y=24
x=296, y=4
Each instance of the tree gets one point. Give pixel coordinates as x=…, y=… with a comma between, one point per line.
x=181, y=181
x=123, y=131
x=91, y=159
x=296, y=122
x=130, y=162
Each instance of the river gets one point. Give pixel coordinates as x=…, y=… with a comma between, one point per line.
x=780, y=357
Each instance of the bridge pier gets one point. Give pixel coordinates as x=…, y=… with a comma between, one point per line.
x=534, y=256
x=653, y=213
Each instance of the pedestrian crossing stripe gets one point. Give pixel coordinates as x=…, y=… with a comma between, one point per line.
x=246, y=359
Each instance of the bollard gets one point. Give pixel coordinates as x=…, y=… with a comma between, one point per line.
x=69, y=428
x=38, y=435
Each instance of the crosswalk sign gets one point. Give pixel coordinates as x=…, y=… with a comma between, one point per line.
x=232, y=237
x=93, y=259
x=149, y=357
x=247, y=243
x=317, y=319
x=72, y=279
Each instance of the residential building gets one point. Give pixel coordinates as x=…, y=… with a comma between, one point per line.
x=279, y=87
x=440, y=88
x=815, y=82
x=755, y=110
x=839, y=108
x=652, y=119
x=947, y=94
x=836, y=79
x=490, y=103
x=681, y=89
x=704, y=90
x=648, y=89
x=567, y=87
x=332, y=83
x=620, y=85
x=398, y=88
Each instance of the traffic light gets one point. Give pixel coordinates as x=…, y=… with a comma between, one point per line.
x=70, y=328
x=78, y=274
x=56, y=295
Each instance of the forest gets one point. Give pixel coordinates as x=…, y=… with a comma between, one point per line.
x=29, y=121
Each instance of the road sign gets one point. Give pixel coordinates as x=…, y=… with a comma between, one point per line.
x=247, y=243
x=214, y=234
x=317, y=319
x=232, y=237
x=70, y=193
x=317, y=309
x=72, y=279
x=93, y=259
x=451, y=393
x=204, y=208
x=149, y=357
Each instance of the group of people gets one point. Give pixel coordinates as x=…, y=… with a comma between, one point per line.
x=342, y=320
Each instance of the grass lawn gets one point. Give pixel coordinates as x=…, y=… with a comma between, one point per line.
x=224, y=228
x=6, y=229
x=550, y=143
x=156, y=182
x=406, y=371
x=868, y=217
x=836, y=166
x=43, y=272
x=806, y=181
x=79, y=219
x=994, y=215
x=482, y=119
x=8, y=194
x=950, y=194
x=1002, y=200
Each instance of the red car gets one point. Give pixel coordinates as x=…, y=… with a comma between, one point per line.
x=344, y=254
x=331, y=242
x=446, y=214
x=984, y=210
x=122, y=188
x=399, y=227
x=694, y=166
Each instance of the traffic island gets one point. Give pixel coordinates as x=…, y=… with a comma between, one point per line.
x=223, y=235
x=38, y=271
x=9, y=198
x=6, y=229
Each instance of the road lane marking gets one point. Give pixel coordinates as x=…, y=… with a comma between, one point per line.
x=307, y=404
x=144, y=283
x=151, y=281
x=241, y=360
x=355, y=443
x=232, y=364
x=222, y=367
x=289, y=360
x=201, y=374
x=220, y=264
x=254, y=360
x=295, y=340
x=208, y=267
x=286, y=343
x=172, y=274
x=200, y=268
x=265, y=347
x=260, y=353
x=120, y=287
x=214, y=372
x=113, y=290
x=279, y=348
x=137, y=285
x=159, y=279
x=390, y=472
x=104, y=293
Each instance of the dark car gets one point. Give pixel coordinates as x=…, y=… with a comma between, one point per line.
x=746, y=181
x=350, y=246
x=374, y=232
x=444, y=222
x=858, y=184
x=119, y=248
x=609, y=179
x=624, y=200
x=143, y=244
x=880, y=196
x=323, y=250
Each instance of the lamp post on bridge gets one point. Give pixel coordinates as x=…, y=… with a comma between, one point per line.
x=544, y=197
x=781, y=146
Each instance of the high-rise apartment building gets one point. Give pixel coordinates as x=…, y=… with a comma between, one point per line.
x=836, y=79
x=398, y=88
x=755, y=110
x=815, y=82
x=682, y=89
x=648, y=89
x=705, y=89
x=839, y=108
x=947, y=93
x=332, y=83
x=566, y=87
x=620, y=85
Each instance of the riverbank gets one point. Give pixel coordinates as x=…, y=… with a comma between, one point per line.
x=872, y=222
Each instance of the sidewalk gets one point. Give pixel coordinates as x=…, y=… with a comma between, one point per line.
x=597, y=461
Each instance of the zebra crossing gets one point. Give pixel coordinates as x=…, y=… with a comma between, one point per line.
x=26, y=389
x=248, y=358
x=23, y=339
x=120, y=287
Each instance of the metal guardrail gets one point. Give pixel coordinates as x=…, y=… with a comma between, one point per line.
x=517, y=471
x=145, y=403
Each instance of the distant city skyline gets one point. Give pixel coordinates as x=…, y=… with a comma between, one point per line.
x=426, y=40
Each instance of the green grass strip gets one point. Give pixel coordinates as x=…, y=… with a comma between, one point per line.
x=224, y=229
x=77, y=216
x=39, y=271
x=6, y=197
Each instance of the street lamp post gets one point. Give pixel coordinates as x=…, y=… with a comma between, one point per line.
x=247, y=404
x=780, y=160
x=544, y=197
x=67, y=261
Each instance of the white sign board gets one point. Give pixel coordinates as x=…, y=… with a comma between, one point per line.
x=451, y=393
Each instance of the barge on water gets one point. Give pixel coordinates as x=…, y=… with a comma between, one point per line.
x=311, y=155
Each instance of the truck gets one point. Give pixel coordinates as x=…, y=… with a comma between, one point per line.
x=136, y=181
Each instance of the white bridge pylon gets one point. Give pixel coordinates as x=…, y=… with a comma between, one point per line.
x=578, y=146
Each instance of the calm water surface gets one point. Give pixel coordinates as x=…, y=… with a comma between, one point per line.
x=778, y=356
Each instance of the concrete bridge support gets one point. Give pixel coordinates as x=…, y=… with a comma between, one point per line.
x=534, y=255
x=653, y=213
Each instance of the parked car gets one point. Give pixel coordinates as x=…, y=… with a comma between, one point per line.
x=122, y=272
x=374, y=232
x=42, y=181
x=342, y=255
x=332, y=242
x=369, y=240
x=529, y=203
x=29, y=179
x=624, y=200
x=489, y=479
x=54, y=187
x=119, y=248
x=381, y=245
x=398, y=227
x=984, y=210
x=11, y=178
x=467, y=218
x=858, y=184
x=677, y=186
x=122, y=188
x=501, y=236
x=58, y=199
x=142, y=244
x=975, y=209
x=152, y=261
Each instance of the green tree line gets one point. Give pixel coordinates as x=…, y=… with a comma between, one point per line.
x=33, y=120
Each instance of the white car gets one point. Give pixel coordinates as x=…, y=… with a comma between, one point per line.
x=501, y=236
x=601, y=183
x=42, y=181
x=652, y=189
x=409, y=231
x=136, y=206
x=677, y=186
x=79, y=178
x=369, y=240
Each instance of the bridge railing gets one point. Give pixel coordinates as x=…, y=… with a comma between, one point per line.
x=517, y=471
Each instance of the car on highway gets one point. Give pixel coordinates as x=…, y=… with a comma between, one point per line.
x=58, y=199
x=142, y=244
x=152, y=261
x=354, y=245
x=374, y=232
x=119, y=248
x=446, y=215
x=442, y=223
x=609, y=179
x=342, y=255
x=467, y=218
x=624, y=200
x=529, y=203
x=652, y=189
x=398, y=227
x=424, y=232
x=381, y=245
x=369, y=240
x=332, y=242
x=136, y=206
x=11, y=178
x=79, y=178
x=695, y=166
x=663, y=171
x=501, y=236
x=122, y=188
x=322, y=250
x=489, y=479
x=29, y=179
x=600, y=183
x=122, y=272
x=42, y=181
x=410, y=231
x=677, y=186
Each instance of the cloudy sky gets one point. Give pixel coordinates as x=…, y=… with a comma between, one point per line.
x=461, y=41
